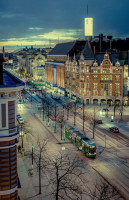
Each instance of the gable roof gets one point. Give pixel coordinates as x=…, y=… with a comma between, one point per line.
x=87, y=52
x=62, y=48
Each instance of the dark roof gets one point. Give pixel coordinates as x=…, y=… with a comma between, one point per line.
x=113, y=57
x=87, y=52
x=62, y=48
x=9, y=80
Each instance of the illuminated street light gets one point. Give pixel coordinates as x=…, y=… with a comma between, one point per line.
x=32, y=155
x=22, y=135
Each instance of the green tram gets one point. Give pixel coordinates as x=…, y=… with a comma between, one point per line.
x=81, y=142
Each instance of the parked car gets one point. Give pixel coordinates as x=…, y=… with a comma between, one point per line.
x=114, y=129
x=98, y=121
x=105, y=109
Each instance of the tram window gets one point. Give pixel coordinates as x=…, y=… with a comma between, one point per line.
x=92, y=150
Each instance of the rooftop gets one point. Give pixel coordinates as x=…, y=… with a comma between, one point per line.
x=62, y=48
x=9, y=80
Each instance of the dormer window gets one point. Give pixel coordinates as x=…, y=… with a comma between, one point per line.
x=117, y=64
x=106, y=56
x=95, y=64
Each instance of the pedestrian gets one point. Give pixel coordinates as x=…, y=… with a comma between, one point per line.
x=19, y=148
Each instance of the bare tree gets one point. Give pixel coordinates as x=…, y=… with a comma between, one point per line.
x=103, y=191
x=61, y=120
x=121, y=108
x=54, y=113
x=92, y=119
x=68, y=105
x=40, y=158
x=65, y=176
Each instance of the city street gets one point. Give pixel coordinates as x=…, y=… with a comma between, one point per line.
x=112, y=154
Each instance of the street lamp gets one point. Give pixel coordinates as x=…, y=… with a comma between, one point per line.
x=32, y=155
x=21, y=134
x=105, y=139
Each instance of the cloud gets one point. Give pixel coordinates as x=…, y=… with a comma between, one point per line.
x=8, y=15
x=35, y=28
x=63, y=34
x=55, y=36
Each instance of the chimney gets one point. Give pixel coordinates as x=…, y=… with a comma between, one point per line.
x=110, y=39
x=94, y=50
x=100, y=42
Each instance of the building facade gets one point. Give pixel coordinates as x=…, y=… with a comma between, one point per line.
x=10, y=86
x=96, y=84
x=54, y=76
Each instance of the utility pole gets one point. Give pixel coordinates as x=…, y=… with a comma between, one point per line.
x=61, y=130
x=83, y=114
x=48, y=112
x=55, y=119
x=22, y=136
x=43, y=107
x=75, y=113
x=94, y=123
x=32, y=156
x=63, y=110
x=40, y=172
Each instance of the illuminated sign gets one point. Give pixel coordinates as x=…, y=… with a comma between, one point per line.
x=88, y=26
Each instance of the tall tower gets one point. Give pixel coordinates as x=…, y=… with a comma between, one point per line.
x=9, y=87
x=3, y=52
x=88, y=26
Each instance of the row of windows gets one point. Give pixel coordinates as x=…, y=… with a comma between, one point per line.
x=82, y=69
x=95, y=77
x=103, y=86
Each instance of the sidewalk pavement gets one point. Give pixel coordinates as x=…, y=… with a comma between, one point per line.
x=25, y=180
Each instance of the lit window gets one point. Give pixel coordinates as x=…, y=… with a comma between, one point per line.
x=87, y=86
x=95, y=86
x=95, y=78
x=87, y=78
x=95, y=71
x=87, y=69
x=106, y=71
x=117, y=71
x=117, y=77
x=82, y=85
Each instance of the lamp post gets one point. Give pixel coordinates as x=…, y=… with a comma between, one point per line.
x=75, y=113
x=83, y=114
x=105, y=139
x=21, y=134
x=32, y=155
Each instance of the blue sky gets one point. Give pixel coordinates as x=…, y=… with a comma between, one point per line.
x=30, y=22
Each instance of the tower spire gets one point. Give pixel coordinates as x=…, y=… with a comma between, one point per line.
x=3, y=52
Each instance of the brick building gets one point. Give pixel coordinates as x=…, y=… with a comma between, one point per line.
x=96, y=84
x=9, y=88
x=55, y=65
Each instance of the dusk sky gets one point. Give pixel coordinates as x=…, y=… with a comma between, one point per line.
x=37, y=22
